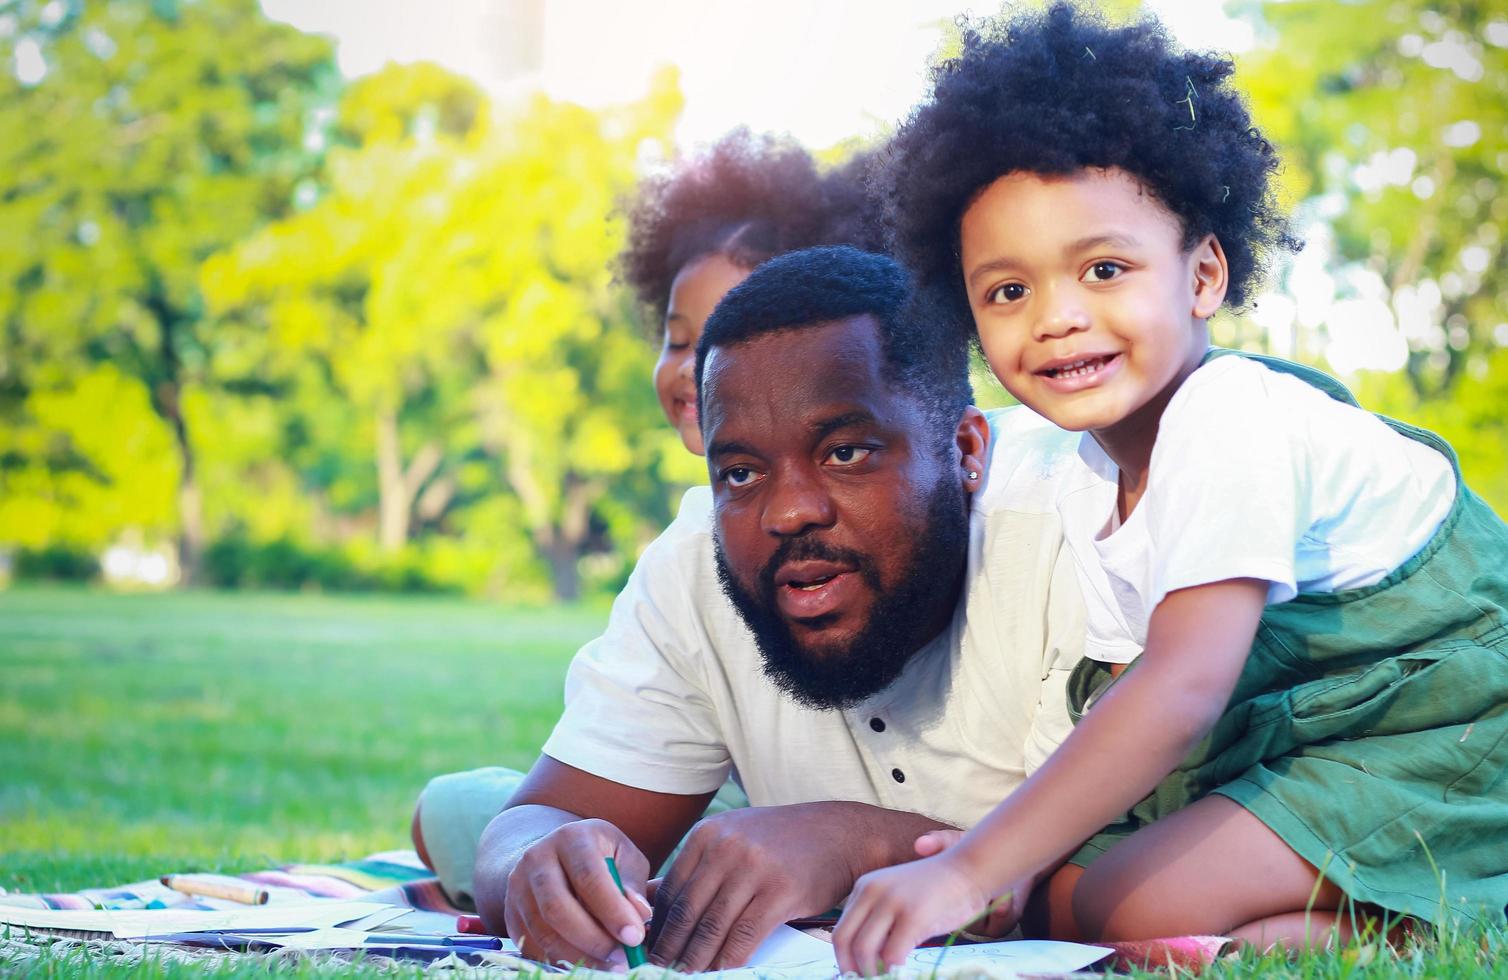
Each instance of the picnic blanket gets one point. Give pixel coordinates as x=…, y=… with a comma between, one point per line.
x=398, y=878
x=391, y=877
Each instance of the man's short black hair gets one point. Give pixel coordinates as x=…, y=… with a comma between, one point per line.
x=1056, y=91
x=927, y=360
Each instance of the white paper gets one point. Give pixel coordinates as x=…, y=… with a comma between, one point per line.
x=357, y=939
x=1017, y=957
x=787, y=953
x=791, y=947
x=143, y=923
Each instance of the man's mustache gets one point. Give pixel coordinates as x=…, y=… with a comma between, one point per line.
x=814, y=549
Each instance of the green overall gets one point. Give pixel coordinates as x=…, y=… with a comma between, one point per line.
x=1369, y=727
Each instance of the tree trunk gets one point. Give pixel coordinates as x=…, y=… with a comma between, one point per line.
x=397, y=485
x=190, y=507
x=564, y=541
x=166, y=399
x=565, y=580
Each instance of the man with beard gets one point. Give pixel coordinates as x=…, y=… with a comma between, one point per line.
x=869, y=619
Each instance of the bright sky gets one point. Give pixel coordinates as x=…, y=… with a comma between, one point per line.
x=821, y=71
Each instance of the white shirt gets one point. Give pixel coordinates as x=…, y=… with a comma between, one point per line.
x=673, y=694
x=1255, y=474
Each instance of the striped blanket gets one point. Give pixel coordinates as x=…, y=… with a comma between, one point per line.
x=392, y=878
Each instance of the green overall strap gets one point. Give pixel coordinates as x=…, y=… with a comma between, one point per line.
x=1303, y=372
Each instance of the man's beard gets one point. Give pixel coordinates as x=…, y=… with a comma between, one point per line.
x=901, y=622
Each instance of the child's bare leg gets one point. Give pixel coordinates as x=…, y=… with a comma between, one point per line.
x=1210, y=868
x=1049, y=911
x=1299, y=931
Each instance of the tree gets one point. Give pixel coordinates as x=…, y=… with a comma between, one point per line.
x=348, y=283
x=455, y=282
x=1393, y=119
x=140, y=138
x=567, y=405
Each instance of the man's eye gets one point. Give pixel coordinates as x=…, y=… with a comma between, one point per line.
x=1104, y=271
x=848, y=455
x=738, y=476
x=1008, y=293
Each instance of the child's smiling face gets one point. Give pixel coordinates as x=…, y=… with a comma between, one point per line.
x=1089, y=308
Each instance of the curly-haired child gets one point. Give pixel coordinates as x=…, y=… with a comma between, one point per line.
x=1293, y=711
x=699, y=228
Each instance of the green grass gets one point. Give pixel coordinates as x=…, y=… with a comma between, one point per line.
x=215, y=731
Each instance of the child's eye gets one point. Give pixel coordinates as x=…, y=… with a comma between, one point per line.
x=849, y=455
x=1104, y=271
x=1008, y=293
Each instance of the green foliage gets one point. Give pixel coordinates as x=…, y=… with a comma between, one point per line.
x=1393, y=118
x=366, y=334
x=453, y=287
x=158, y=135
x=55, y=562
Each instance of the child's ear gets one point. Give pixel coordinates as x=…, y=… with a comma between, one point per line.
x=1211, y=277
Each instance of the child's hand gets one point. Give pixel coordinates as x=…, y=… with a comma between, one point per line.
x=936, y=841
x=894, y=909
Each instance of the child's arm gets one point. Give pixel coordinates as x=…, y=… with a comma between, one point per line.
x=1138, y=732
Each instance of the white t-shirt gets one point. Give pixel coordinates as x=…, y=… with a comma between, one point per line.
x=673, y=695
x=1255, y=474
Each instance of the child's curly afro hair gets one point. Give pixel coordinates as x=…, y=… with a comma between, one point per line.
x=1055, y=91
x=748, y=198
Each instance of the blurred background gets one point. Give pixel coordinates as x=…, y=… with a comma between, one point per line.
x=319, y=294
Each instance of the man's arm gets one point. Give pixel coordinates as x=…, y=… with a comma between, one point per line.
x=541, y=873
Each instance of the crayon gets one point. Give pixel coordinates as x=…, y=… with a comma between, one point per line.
x=245, y=894
x=634, y=954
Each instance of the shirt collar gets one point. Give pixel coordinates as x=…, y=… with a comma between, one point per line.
x=1098, y=461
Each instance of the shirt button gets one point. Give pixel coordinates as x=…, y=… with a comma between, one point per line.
x=877, y=724
x=898, y=776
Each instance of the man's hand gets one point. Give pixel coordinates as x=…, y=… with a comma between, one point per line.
x=744, y=872
x=563, y=905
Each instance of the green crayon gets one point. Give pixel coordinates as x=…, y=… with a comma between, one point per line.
x=635, y=954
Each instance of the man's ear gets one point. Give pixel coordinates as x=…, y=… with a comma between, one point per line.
x=1211, y=277
x=972, y=438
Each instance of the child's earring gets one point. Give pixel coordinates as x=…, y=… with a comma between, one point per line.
x=973, y=475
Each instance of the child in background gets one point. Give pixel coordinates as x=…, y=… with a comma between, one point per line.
x=1294, y=703
x=697, y=231
x=694, y=232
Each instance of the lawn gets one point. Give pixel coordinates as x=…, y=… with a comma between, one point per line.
x=222, y=731
x=219, y=731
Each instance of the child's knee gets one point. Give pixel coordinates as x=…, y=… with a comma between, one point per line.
x=1049, y=912
x=416, y=834
x=451, y=814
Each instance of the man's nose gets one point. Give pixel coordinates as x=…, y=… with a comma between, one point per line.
x=797, y=502
x=1062, y=313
